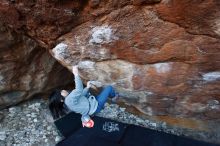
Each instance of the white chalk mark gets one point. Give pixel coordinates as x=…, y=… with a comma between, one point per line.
x=86, y=64
x=102, y=34
x=211, y=76
x=162, y=67
x=60, y=51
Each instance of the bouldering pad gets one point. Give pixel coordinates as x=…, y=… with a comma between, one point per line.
x=108, y=132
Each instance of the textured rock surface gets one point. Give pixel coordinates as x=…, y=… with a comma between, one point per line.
x=26, y=69
x=197, y=17
x=43, y=20
x=162, y=55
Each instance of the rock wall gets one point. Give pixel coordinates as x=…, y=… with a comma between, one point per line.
x=162, y=55
x=26, y=69
x=162, y=66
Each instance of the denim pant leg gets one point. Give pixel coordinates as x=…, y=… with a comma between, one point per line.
x=108, y=91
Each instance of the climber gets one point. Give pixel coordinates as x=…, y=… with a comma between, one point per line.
x=80, y=100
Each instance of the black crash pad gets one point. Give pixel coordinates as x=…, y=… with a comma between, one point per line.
x=107, y=132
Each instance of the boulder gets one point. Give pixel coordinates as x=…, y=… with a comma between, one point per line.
x=162, y=55
x=158, y=66
x=26, y=69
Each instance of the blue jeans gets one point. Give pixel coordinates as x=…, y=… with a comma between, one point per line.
x=108, y=91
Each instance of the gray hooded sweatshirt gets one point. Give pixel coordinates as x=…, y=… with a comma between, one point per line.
x=78, y=102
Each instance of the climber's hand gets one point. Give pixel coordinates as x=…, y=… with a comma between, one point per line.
x=88, y=124
x=89, y=84
x=75, y=70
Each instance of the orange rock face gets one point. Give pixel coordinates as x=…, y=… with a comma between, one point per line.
x=163, y=56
